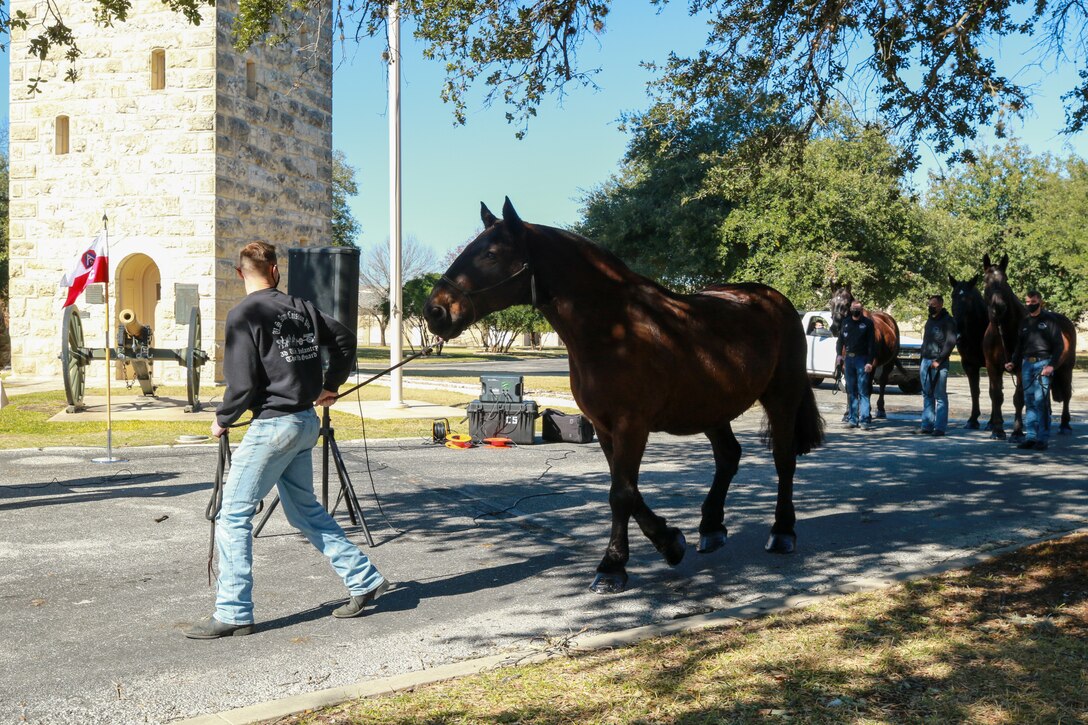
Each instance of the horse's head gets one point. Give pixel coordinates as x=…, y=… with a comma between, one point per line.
x=996, y=291
x=840, y=307
x=492, y=273
x=962, y=294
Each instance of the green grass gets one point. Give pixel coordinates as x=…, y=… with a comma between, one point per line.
x=1003, y=642
x=24, y=423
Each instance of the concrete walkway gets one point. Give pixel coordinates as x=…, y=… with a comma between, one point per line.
x=491, y=550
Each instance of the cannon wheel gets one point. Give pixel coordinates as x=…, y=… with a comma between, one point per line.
x=72, y=362
x=194, y=359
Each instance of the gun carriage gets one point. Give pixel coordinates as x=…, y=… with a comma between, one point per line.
x=134, y=349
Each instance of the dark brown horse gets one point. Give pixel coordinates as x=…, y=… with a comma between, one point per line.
x=642, y=359
x=1006, y=312
x=972, y=319
x=886, y=331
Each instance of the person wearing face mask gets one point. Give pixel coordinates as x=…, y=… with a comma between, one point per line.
x=272, y=365
x=856, y=349
x=938, y=342
x=1039, y=343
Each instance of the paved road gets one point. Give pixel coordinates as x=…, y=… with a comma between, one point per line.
x=490, y=549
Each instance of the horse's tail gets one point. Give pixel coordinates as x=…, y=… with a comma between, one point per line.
x=1061, y=389
x=809, y=429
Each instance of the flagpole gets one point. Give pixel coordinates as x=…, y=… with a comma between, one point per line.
x=109, y=402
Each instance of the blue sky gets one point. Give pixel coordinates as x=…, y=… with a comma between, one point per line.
x=572, y=145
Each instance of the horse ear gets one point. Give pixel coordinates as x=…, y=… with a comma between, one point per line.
x=1004, y=262
x=986, y=261
x=510, y=217
x=973, y=281
x=951, y=280
x=486, y=216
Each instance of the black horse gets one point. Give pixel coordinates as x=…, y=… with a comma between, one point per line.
x=644, y=358
x=1006, y=312
x=969, y=312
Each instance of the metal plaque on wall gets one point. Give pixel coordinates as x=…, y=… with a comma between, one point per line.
x=186, y=297
x=95, y=294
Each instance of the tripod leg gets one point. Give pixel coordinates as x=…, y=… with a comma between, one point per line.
x=267, y=514
x=350, y=499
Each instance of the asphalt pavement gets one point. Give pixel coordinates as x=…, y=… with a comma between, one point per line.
x=103, y=566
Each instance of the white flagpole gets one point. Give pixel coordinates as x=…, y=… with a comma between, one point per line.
x=109, y=403
x=396, y=298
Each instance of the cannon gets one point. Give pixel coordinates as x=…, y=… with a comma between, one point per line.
x=133, y=348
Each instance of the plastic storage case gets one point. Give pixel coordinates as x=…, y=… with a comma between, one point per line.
x=516, y=421
x=501, y=388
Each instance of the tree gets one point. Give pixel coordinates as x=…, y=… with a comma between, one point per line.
x=834, y=209
x=345, y=227
x=414, y=295
x=416, y=260
x=1034, y=208
x=928, y=69
x=500, y=330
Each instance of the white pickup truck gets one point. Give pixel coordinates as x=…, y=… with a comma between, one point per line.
x=821, y=354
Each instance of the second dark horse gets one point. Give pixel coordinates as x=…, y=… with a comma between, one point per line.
x=642, y=359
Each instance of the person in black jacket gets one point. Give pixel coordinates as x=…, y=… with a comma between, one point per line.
x=938, y=342
x=273, y=369
x=856, y=349
x=1039, y=345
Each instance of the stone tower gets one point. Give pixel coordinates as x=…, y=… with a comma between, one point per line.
x=191, y=149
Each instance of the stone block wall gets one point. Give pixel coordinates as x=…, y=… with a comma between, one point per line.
x=273, y=147
x=186, y=174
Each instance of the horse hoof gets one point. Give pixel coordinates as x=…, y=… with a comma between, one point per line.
x=675, y=549
x=989, y=426
x=1065, y=431
x=781, y=543
x=997, y=435
x=971, y=425
x=880, y=414
x=711, y=542
x=1016, y=438
x=609, y=583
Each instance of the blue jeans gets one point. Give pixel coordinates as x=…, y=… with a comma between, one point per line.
x=1036, y=400
x=934, y=395
x=859, y=385
x=277, y=451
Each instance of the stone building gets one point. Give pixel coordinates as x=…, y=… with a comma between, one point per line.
x=190, y=148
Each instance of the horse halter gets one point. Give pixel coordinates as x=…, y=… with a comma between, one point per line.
x=468, y=295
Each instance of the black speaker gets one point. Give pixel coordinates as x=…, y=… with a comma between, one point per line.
x=328, y=277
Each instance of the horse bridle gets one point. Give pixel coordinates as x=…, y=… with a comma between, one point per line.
x=468, y=295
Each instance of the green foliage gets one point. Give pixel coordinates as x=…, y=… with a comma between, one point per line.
x=345, y=227
x=656, y=213
x=1035, y=208
x=928, y=69
x=714, y=205
x=499, y=330
x=414, y=295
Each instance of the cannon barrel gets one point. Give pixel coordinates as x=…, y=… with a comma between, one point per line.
x=132, y=326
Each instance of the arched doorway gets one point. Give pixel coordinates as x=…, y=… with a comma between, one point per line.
x=139, y=287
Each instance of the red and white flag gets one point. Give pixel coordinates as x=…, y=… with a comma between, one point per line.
x=92, y=265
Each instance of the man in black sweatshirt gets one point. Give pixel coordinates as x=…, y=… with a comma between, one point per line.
x=273, y=369
x=856, y=349
x=938, y=342
x=1038, y=347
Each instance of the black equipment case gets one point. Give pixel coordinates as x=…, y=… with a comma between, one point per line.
x=557, y=427
x=516, y=421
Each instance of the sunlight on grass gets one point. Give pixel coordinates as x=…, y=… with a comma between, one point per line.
x=24, y=423
x=968, y=646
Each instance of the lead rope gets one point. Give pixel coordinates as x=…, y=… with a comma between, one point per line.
x=211, y=513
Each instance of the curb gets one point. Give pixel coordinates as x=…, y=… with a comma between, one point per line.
x=719, y=618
